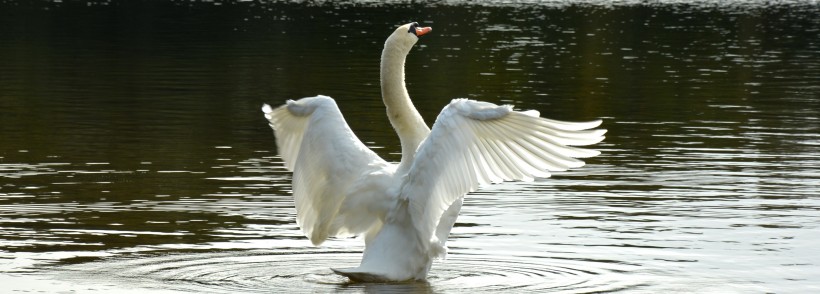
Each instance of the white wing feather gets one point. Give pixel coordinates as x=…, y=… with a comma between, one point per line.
x=329, y=163
x=475, y=143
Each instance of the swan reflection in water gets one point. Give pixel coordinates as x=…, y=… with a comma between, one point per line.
x=406, y=211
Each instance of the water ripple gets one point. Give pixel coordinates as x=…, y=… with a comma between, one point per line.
x=286, y=270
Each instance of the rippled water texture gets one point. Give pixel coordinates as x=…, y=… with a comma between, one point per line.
x=134, y=156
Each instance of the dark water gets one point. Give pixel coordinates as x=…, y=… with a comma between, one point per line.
x=134, y=156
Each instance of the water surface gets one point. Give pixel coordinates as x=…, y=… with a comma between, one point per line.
x=134, y=156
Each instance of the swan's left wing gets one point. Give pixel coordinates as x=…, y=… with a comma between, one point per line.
x=329, y=163
x=475, y=143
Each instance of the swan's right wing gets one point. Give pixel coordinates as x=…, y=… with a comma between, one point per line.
x=474, y=143
x=328, y=161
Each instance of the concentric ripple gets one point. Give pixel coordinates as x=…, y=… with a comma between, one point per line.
x=266, y=271
x=519, y=273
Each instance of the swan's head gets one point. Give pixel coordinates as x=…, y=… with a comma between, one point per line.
x=405, y=36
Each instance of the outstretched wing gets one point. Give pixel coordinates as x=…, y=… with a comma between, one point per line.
x=327, y=161
x=475, y=143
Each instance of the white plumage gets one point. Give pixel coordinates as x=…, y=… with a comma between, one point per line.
x=406, y=210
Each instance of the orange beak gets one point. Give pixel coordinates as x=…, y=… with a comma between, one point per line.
x=422, y=31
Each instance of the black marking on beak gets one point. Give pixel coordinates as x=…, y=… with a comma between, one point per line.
x=413, y=27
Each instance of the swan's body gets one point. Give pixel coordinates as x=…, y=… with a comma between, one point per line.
x=406, y=210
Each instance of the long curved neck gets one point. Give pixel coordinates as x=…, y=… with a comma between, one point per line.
x=404, y=117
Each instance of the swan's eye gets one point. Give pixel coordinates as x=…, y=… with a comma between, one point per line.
x=413, y=27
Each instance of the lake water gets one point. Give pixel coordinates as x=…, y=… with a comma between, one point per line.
x=134, y=156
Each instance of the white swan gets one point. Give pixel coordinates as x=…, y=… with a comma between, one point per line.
x=406, y=210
